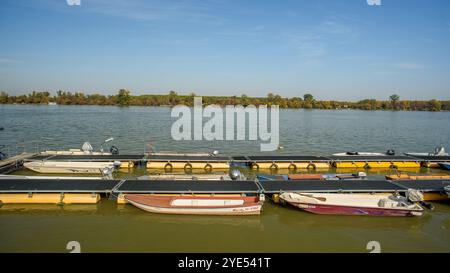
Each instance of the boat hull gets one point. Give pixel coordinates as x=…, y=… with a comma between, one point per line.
x=445, y=166
x=352, y=204
x=68, y=167
x=139, y=201
x=349, y=210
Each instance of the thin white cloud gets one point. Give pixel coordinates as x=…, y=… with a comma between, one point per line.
x=8, y=61
x=312, y=42
x=408, y=65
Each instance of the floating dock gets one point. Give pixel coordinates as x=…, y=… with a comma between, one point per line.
x=88, y=191
x=368, y=162
x=288, y=162
x=273, y=162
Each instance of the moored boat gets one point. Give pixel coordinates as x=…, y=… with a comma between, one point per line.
x=6, y=176
x=198, y=205
x=296, y=177
x=444, y=165
x=405, y=176
x=356, y=153
x=352, y=204
x=70, y=167
x=439, y=151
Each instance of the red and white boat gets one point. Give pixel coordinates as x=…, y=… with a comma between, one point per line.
x=201, y=205
x=353, y=204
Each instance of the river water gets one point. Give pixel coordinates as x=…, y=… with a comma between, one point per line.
x=108, y=227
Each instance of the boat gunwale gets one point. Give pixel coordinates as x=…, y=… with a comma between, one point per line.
x=416, y=208
x=171, y=198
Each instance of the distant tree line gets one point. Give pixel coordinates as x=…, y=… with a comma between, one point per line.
x=307, y=101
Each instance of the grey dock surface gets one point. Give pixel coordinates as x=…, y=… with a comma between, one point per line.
x=330, y=186
x=198, y=186
x=56, y=185
x=432, y=158
x=180, y=186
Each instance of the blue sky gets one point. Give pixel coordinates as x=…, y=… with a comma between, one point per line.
x=334, y=49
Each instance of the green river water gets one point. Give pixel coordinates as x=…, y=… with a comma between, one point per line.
x=109, y=227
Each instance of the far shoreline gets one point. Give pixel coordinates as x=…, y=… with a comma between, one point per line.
x=124, y=99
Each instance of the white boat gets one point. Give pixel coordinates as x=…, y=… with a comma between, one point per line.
x=198, y=205
x=86, y=149
x=73, y=152
x=353, y=204
x=355, y=153
x=70, y=166
x=6, y=176
x=439, y=151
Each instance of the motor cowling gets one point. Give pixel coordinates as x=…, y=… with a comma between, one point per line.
x=114, y=150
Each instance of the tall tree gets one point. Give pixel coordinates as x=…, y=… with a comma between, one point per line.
x=123, y=98
x=394, y=99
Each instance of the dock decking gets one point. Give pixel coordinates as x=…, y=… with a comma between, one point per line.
x=249, y=186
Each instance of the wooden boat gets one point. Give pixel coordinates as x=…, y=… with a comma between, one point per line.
x=356, y=153
x=439, y=151
x=352, y=204
x=199, y=205
x=70, y=166
x=404, y=176
x=444, y=165
x=295, y=177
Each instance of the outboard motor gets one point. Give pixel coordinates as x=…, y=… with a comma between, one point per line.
x=114, y=150
x=87, y=148
x=235, y=174
x=390, y=152
x=414, y=195
x=117, y=164
x=107, y=173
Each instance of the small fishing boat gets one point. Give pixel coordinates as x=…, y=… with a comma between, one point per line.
x=404, y=176
x=6, y=176
x=86, y=149
x=198, y=205
x=295, y=177
x=71, y=167
x=352, y=204
x=439, y=151
x=355, y=153
x=444, y=165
